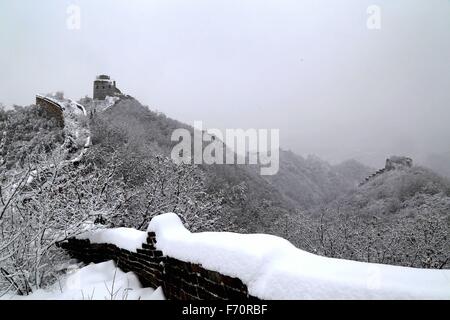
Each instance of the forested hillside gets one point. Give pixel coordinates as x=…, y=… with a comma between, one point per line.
x=401, y=217
x=249, y=201
x=257, y=203
x=24, y=132
x=312, y=181
x=126, y=177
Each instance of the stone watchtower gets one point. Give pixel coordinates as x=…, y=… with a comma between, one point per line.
x=104, y=86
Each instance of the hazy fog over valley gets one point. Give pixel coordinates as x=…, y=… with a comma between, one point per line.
x=313, y=69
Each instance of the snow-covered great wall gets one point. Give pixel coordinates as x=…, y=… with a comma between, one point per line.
x=69, y=115
x=222, y=265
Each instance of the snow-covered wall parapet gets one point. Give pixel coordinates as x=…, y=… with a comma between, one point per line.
x=52, y=107
x=226, y=265
x=136, y=251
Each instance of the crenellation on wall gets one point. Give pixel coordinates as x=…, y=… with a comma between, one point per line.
x=180, y=280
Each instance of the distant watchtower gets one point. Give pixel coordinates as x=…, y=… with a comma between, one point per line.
x=104, y=86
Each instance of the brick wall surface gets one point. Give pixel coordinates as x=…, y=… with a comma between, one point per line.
x=52, y=109
x=179, y=280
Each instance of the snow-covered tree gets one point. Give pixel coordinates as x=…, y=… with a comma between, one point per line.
x=43, y=204
x=158, y=185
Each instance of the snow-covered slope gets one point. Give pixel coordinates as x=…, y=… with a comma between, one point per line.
x=102, y=281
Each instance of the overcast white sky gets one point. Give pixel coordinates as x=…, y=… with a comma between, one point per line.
x=310, y=68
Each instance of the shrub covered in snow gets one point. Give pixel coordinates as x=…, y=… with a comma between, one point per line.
x=42, y=205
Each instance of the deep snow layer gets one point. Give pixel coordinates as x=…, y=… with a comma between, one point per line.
x=102, y=281
x=125, y=238
x=272, y=268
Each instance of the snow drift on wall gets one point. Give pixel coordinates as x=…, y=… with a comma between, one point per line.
x=272, y=268
x=125, y=238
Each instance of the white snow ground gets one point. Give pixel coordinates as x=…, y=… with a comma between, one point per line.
x=102, y=281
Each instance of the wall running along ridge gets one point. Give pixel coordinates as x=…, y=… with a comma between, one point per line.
x=180, y=280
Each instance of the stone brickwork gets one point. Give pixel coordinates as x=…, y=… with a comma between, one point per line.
x=179, y=280
x=52, y=108
x=103, y=87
